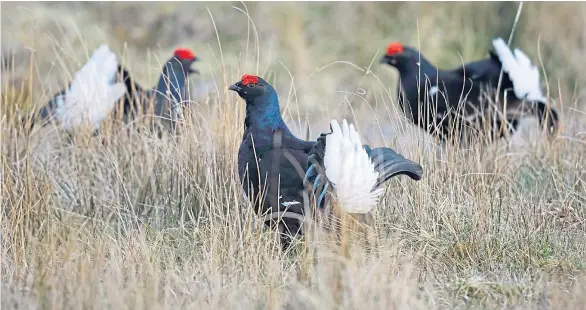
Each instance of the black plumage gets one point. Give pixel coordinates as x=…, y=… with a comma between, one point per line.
x=272, y=162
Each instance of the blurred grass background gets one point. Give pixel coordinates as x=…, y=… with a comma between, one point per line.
x=293, y=37
x=160, y=224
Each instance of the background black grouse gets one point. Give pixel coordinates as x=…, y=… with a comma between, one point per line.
x=444, y=102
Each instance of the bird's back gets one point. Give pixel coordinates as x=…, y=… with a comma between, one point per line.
x=486, y=72
x=465, y=88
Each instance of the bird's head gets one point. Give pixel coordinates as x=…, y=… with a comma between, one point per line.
x=186, y=58
x=251, y=87
x=397, y=54
x=262, y=103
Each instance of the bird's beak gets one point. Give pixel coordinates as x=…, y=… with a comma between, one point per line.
x=191, y=70
x=235, y=87
x=384, y=59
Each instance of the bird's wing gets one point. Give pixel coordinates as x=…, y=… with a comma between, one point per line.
x=486, y=71
x=295, y=143
x=477, y=70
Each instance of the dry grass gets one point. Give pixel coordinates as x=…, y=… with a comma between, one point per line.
x=141, y=222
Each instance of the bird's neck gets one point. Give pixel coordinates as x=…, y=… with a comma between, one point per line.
x=263, y=113
x=172, y=83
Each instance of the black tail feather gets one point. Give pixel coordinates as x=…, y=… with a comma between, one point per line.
x=389, y=163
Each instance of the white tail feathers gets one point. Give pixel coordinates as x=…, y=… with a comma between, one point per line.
x=92, y=93
x=525, y=77
x=350, y=170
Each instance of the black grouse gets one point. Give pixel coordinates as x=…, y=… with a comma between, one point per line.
x=95, y=90
x=170, y=92
x=273, y=163
x=453, y=98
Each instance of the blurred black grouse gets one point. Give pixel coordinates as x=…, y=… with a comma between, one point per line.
x=449, y=97
x=272, y=162
x=96, y=88
x=170, y=92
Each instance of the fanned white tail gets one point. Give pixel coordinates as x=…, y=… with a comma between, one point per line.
x=523, y=74
x=350, y=170
x=93, y=92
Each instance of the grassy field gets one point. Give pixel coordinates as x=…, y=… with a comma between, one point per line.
x=144, y=223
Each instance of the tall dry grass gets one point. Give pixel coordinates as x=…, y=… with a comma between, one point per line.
x=134, y=221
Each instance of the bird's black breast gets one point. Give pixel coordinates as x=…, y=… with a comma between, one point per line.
x=417, y=102
x=272, y=168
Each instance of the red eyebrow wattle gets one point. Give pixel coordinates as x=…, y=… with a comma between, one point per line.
x=249, y=79
x=184, y=53
x=394, y=48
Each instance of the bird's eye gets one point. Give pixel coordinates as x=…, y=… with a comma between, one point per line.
x=251, y=85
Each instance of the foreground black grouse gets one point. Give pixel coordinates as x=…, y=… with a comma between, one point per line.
x=97, y=86
x=443, y=100
x=273, y=163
